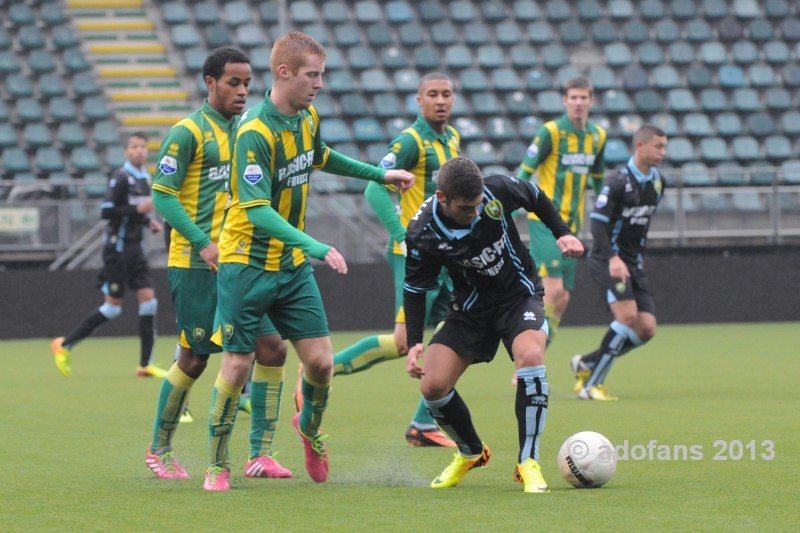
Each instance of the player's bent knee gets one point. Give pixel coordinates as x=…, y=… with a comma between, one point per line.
x=432, y=391
x=148, y=308
x=110, y=311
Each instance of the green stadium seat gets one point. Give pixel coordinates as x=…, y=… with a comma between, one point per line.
x=616, y=151
x=398, y=12
x=745, y=99
x=538, y=80
x=518, y=103
x=555, y=56
x=353, y=105
x=5, y=39
x=367, y=129
x=431, y=11
x=730, y=173
x=426, y=58
x=681, y=101
x=762, y=75
x=791, y=75
x=406, y=80
x=714, y=9
x=105, y=133
x=635, y=32
x=62, y=110
x=336, y=12
x=341, y=81
x=41, y=61
x=681, y=53
x=506, y=79
x=634, y=78
x=361, y=58
x=728, y=124
x=21, y=15
x=729, y=30
x=713, y=53
x=603, y=79
x=8, y=137
x=564, y=74
x=696, y=174
x=790, y=171
x=652, y=10
x=746, y=9
x=523, y=56
x=680, y=150
x=49, y=160
x=620, y=9
x=476, y=34
x=697, y=125
x=481, y=152
x=217, y=35
x=28, y=110
x=346, y=35
x=667, y=123
x=445, y=34
x=731, y=76
x=185, y=36
x=513, y=152
x=73, y=60
x=115, y=156
x=748, y=201
x=84, y=160
x=617, y=102
x=460, y=108
x=745, y=148
x=411, y=34
x=650, y=54
x=571, y=32
x=744, y=52
x=761, y=30
x=380, y=34
x=323, y=36
x=699, y=77
x=667, y=31
x=760, y=124
x=666, y=77
x=525, y=10
x=193, y=58
x=19, y=85
x=250, y=36
x=15, y=160
x=604, y=31
x=367, y=12
x=385, y=104
x=493, y=10
x=84, y=85
x=540, y=32
x=698, y=30
x=303, y=12
x=375, y=81
x=457, y=56
x=648, y=101
x=30, y=37
x=549, y=102
x=71, y=134
x=37, y=135
x=500, y=128
x=557, y=11
x=790, y=29
x=63, y=37
x=776, y=52
x=468, y=128
x=629, y=124
x=778, y=147
x=491, y=56
x=259, y=58
x=508, y=33
x=335, y=130
x=268, y=12
x=176, y=13
x=528, y=126
x=589, y=10
x=52, y=14
x=790, y=123
x=776, y=9
x=683, y=9
x=485, y=103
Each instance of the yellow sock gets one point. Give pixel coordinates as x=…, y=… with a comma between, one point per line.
x=224, y=406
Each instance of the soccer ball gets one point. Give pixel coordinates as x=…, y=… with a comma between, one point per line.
x=587, y=460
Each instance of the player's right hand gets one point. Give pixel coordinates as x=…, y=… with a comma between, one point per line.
x=403, y=179
x=210, y=254
x=412, y=361
x=145, y=207
x=336, y=261
x=618, y=269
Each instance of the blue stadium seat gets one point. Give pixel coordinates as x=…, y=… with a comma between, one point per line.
x=426, y=58
x=506, y=79
x=19, y=85
x=729, y=30
x=714, y=9
x=760, y=124
x=395, y=125
x=616, y=151
x=528, y=126
x=634, y=78
x=564, y=74
x=618, y=54
x=268, y=11
x=28, y=110
x=680, y=150
x=52, y=14
x=620, y=9
x=49, y=160
x=776, y=9
x=375, y=81
x=549, y=102
x=526, y=10
x=460, y=108
x=346, y=35
x=666, y=77
x=185, y=36
x=778, y=147
x=744, y=52
x=445, y=34
x=84, y=159
x=476, y=34
x=699, y=77
x=335, y=130
x=696, y=174
x=681, y=53
x=367, y=129
x=406, y=80
x=193, y=58
x=5, y=39
x=485, y=103
x=697, y=125
x=375, y=152
x=411, y=34
x=385, y=104
x=698, y=31
x=323, y=103
x=37, y=135
x=63, y=37
x=762, y=75
x=668, y=123
x=571, y=32
x=648, y=101
x=713, y=53
x=473, y=79
x=481, y=152
x=361, y=58
x=399, y=11
x=336, y=12
x=15, y=160
x=30, y=37
x=105, y=132
x=682, y=9
x=84, y=85
x=303, y=12
x=629, y=124
x=761, y=30
x=21, y=15
x=500, y=128
x=508, y=33
x=555, y=56
x=681, y=100
x=790, y=171
x=353, y=105
x=205, y=13
x=604, y=31
x=341, y=81
x=513, y=152
x=62, y=110
x=458, y=56
x=412, y=107
x=9, y=63
x=603, y=79
x=748, y=201
x=365, y=12
x=746, y=99
x=323, y=36
x=557, y=11
x=635, y=32
x=41, y=61
x=650, y=54
x=791, y=75
x=493, y=10
x=790, y=123
x=250, y=36
x=522, y=56
x=790, y=29
x=8, y=137
x=745, y=148
x=468, y=128
x=667, y=31
x=431, y=11
x=730, y=173
x=728, y=124
x=731, y=76
x=713, y=149
x=589, y=10
x=51, y=85
x=491, y=56
x=540, y=32
x=777, y=52
x=617, y=102
x=518, y=103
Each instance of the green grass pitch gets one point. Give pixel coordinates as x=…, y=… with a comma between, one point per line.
x=74, y=448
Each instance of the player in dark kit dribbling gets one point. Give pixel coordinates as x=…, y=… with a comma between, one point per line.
x=468, y=229
x=626, y=203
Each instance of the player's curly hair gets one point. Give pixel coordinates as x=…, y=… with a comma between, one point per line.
x=460, y=179
x=291, y=50
x=214, y=65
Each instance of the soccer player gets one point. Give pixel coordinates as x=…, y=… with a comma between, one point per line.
x=420, y=149
x=628, y=200
x=468, y=229
x=125, y=206
x=191, y=192
x=564, y=154
x=263, y=262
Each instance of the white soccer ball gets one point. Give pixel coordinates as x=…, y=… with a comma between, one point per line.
x=587, y=460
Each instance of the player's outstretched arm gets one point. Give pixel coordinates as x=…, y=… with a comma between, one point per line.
x=341, y=165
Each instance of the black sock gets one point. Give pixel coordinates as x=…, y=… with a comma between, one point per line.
x=84, y=329
x=591, y=359
x=452, y=415
x=531, y=409
x=147, y=334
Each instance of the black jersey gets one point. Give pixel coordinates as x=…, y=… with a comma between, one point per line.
x=487, y=262
x=624, y=207
x=127, y=188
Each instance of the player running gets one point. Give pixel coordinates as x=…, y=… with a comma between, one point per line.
x=564, y=154
x=191, y=192
x=125, y=206
x=263, y=262
x=620, y=220
x=421, y=149
x=468, y=229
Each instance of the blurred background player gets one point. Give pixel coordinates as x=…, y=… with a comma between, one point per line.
x=468, y=228
x=564, y=154
x=191, y=192
x=628, y=200
x=421, y=149
x=125, y=206
x=263, y=262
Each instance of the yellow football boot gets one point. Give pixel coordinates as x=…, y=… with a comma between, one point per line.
x=458, y=468
x=62, y=356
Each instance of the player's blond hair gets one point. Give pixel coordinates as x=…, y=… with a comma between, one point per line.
x=292, y=49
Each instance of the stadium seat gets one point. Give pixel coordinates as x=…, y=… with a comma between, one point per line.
x=698, y=31
x=616, y=151
x=549, y=102
x=185, y=36
x=526, y=10
x=790, y=171
x=51, y=14
x=540, y=32
x=15, y=160
x=629, y=124
x=353, y=105
x=506, y=79
x=699, y=77
x=557, y=11
x=571, y=32
x=268, y=11
x=367, y=129
x=648, y=101
x=682, y=9
x=426, y=58
x=778, y=147
x=565, y=73
x=398, y=12
x=431, y=11
x=493, y=10
x=650, y=54
x=385, y=104
x=790, y=29
x=84, y=85
x=744, y=52
x=259, y=59
x=37, y=135
x=21, y=15
x=731, y=76
x=380, y=34
x=666, y=77
x=4, y=116
x=603, y=79
x=28, y=110
x=49, y=160
x=336, y=12
x=491, y=56
x=323, y=36
x=365, y=12
x=713, y=53
x=8, y=137
x=206, y=13
x=30, y=37
x=713, y=149
x=697, y=125
x=250, y=36
x=411, y=34
x=528, y=126
x=71, y=134
x=500, y=128
x=346, y=35
x=323, y=103
x=762, y=75
x=412, y=107
x=341, y=81
x=776, y=52
x=791, y=75
x=634, y=78
x=84, y=159
x=776, y=9
x=745, y=148
x=695, y=174
x=760, y=124
x=193, y=58
x=375, y=152
x=667, y=123
x=481, y=152
x=468, y=128
x=604, y=31
x=406, y=80
x=746, y=8
x=361, y=58
x=730, y=173
x=41, y=61
x=729, y=30
x=681, y=53
x=746, y=99
x=19, y=85
x=747, y=201
x=714, y=9
x=460, y=108
x=485, y=103
x=375, y=81
x=635, y=32
x=5, y=39
x=62, y=110
x=303, y=12
x=728, y=124
x=589, y=10
x=667, y=31
x=217, y=35
x=760, y=30
x=508, y=33
x=445, y=34
x=334, y=130
x=9, y=63
x=523, y=56
x=790, y=123
x=476, y=34
x=457, y=56
x=555, y=56
x=512, y=153
x=518, y=103
x=680, y=150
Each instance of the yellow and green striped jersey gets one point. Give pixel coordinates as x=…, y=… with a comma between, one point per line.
x=422, y=151
x=272, y=162
x=565, y=158
x=194, y=164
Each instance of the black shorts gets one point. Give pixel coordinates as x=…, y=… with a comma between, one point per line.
x=126, y=268
x=477, y=335
x=635, y=288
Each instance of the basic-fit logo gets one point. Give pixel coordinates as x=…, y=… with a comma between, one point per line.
x=168, y=165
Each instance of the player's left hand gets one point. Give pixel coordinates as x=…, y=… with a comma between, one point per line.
x=155, y=226
x=403, y=179
x=412, y=361
x=570, y=246
x=336, y=261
